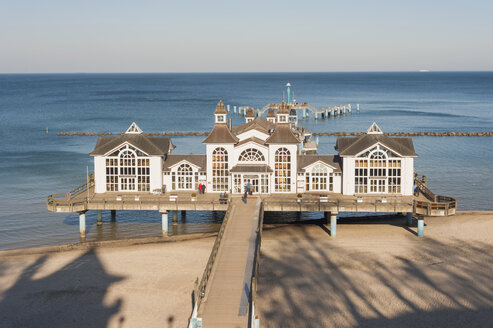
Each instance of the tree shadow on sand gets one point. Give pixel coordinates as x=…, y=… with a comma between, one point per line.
x=310, y=282
x=73, y=296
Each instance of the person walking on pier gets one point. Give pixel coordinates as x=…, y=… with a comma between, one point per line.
x=248, y=188
x=200, y=188
x=245, y=195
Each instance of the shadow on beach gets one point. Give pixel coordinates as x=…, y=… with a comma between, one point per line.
x=312, y=282
x=72, y=296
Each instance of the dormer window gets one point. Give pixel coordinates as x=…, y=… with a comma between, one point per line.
x=282, y=118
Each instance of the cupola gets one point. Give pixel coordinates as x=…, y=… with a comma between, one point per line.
x=249, y=116
x=220, y=113
x=271, y=116
x=283, y=113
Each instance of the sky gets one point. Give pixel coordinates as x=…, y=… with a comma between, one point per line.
x=244, y=36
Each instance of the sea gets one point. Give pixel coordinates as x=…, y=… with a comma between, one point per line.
x=34, y=164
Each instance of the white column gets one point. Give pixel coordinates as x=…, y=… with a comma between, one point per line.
x=164, y=218
x=100, y=217
x=333, y=224
x=82, y=223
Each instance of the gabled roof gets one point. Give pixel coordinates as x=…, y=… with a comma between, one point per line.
x=351, y=146
x=220, y=108
x=134, y=129
x=259, y=124
x=153, y=146
x=220, y=134
x=282, y=135
x=331, y=160
x=271, y=113
x=195, y=159
x=251, y=139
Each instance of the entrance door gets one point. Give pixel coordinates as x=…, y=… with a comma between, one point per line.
x=254, y=183
x=377, y=186
x=127, y=184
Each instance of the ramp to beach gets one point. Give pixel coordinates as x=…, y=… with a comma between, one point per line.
x=227, y=298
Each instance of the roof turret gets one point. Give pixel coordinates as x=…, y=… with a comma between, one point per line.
x=249, y=113
x=220, y=108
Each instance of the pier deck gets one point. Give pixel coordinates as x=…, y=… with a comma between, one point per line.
x=325, y=202
x=227, y=297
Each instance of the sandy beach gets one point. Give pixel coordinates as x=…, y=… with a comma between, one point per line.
x=376, y=273
x=379, y=274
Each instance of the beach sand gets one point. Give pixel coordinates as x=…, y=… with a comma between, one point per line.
x=379, y=274
x=375, y=273
x=147, y=285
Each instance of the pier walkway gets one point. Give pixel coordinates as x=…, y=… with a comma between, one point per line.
x=227, y=299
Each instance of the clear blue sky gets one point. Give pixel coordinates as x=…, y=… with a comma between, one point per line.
x=244, y=36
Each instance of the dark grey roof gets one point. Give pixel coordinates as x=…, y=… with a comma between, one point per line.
x=331, y=160
x=282, y=135
x=254, y=139
x=249, y=168
x=350, y=146
x=221, y=134
x=259, y=124
x=154, y=146
x=172, y=159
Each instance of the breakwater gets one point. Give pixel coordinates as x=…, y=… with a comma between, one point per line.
x=401, y=134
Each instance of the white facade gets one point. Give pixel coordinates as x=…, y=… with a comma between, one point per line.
x=258, y=156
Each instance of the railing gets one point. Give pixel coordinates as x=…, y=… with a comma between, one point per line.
x=256, y=263
x=420, y=182
x=199, y=291
x=65, y=197
x=438, y=205
x=340, y=205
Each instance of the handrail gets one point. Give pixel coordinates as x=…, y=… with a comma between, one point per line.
x=421, y=184
x=71, y=194
x=200, y=289
x=253, y=283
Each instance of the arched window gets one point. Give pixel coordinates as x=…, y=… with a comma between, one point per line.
x=220, y=170
x=184, y=177
x=320, y=178
x=251, y=155
x=378, y=171
x=282, y=165
x=127, y=169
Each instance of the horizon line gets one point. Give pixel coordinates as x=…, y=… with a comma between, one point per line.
x=256, y=72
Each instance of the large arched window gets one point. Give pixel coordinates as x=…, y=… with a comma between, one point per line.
x=184, y=176
x=251, y=155
x=282, y=165
x=378, y=171
x=127, y=169
x=320, y=178
x=220, y=170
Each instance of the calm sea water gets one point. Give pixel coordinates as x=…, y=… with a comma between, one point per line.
x=33, y=165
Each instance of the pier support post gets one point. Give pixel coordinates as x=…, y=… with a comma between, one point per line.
x=100, y=217
x=82, y=223
x=333, y=224
x=164, y=223
x=183, y=213
x=113, y=215
x=421, y=226
x=409, y=219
